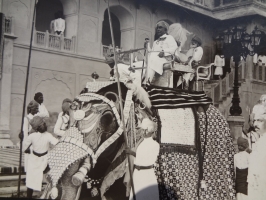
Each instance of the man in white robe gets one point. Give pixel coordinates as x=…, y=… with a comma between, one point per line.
x=257, y=163
x=163, y=48
x=43, y=112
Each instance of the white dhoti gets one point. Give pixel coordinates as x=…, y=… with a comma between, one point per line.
x=145, y=188
x=155, y=64
x=35, y=168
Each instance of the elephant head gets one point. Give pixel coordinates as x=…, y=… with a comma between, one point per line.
x=92, y=142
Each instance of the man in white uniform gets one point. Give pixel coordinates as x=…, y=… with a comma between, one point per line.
x=257, y=162
x=43, y=112
x=162, y=48
x=193, y=56
x=124, y=72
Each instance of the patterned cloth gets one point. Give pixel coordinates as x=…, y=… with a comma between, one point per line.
x=178, y=172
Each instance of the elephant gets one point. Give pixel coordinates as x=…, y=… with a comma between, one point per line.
x=92, y=147
x=202, y=169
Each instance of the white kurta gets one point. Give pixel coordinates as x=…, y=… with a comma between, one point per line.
x=219, y=62
x=241, y=161
x=26, y=129
x=61, y=124
x=59, y=25
x=145, y=182
x=124, y=73
x=257, y=171
x=165, y=43
x=43, y=112
x=36, y=165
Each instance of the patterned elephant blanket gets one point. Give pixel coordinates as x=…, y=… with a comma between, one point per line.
x=187, y=170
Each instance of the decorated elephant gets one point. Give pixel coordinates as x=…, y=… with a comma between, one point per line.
x=196, y=149
x=92, y=148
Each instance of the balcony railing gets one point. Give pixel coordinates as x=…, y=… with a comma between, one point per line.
x=8, y=25
x=106, y=50
x=50, y=41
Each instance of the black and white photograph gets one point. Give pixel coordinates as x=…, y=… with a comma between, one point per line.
x=133, y=99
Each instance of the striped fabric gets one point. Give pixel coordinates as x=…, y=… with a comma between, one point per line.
x=9, y=161
x=169, y=98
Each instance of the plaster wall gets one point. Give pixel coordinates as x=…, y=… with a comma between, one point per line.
x=59, y=75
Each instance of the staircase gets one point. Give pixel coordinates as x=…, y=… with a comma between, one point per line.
x=221, y=91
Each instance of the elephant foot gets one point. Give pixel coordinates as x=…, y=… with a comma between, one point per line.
x=79, y=177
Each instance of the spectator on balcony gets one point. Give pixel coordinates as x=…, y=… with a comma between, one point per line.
x=57, y=26
x=219, y=62
x=43, y=112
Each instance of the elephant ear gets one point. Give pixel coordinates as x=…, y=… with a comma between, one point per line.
x=113, y=97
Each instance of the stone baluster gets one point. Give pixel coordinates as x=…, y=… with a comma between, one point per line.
x=62, y=42
x=46, y=39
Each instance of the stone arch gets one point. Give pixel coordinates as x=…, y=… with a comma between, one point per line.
x=53, y=98
x=126, y=20
x=20, y=12
x=45, y=13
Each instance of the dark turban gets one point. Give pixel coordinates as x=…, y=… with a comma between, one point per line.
x=242, y=143
x=37, y=95
x=32, y=105
x=36, y=122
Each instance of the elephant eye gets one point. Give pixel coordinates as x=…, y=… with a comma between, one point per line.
x=106, y=120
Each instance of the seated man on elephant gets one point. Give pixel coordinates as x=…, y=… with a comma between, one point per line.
x=191, y=59
x=161, y=52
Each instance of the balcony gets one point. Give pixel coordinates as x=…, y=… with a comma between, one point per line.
x=106, y=50
x=224, y=9
x=9, y=25
x=55, y=42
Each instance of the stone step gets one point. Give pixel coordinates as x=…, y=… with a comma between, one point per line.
x=12, y=191
x=10, y=181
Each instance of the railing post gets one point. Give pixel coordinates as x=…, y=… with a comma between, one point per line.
x=12, y=26
x=46, y=39
x=34, y=37
x=73, y=43
x=62, y=42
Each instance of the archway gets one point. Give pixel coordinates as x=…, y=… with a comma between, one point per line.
x=106, y=33
x=124, y=32
x=45, y=13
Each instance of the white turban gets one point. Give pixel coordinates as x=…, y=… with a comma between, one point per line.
x=163, y=24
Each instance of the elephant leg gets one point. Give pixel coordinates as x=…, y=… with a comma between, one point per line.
x=69, y=190
x=78, y=178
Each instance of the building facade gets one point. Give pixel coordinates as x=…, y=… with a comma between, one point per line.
x=60, y=66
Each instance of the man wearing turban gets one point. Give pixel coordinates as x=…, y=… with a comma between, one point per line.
x=43, y=112
x=257, y=162
x=37, y=161
x=162, y=48
x=32, y=110
x=62, y=122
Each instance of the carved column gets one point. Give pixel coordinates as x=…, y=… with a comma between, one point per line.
x=5, y=91
x=236, y=124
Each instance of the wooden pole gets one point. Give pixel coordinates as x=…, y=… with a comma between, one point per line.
x=120, y=100
x=25, y=97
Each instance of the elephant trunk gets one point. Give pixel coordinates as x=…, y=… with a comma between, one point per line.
x=69, y=190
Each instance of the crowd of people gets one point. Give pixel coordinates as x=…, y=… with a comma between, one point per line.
x=250, y=161
x=36, y=140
